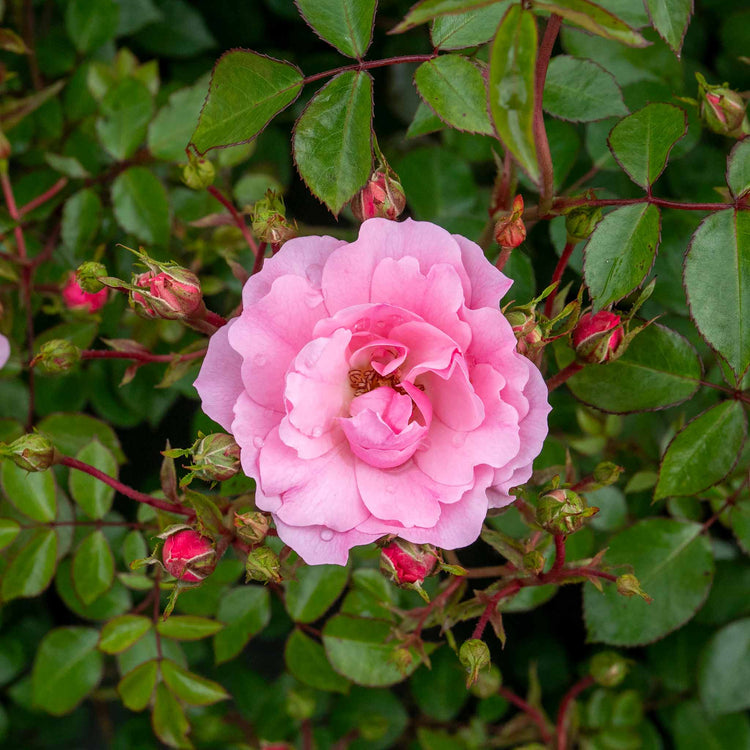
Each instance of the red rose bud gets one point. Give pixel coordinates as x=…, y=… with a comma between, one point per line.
x=32, y=452
x=474, y=655
x=722, y=109
x=174, y=294
x=77, y=298
x=407, y=564
x=510, y=231
x=188, y=556
x=216, y=458
x=88, y=276
x=597, y=336
x=269, y=220
x=382, y=197
x=608, y=668
x=57, y=356
x=562, y=511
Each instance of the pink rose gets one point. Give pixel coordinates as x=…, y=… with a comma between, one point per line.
x=374, y=388
x=76, y=298
x=4, y=350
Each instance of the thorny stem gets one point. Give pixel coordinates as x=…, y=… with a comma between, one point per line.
x=559, y=556
x=141, y=356
x=44, y=197
x=238, y=220
x=437, y=602
x=513, y=588
x=259, y=258
x=565, y=203
x=728, y=503
x=560, y=377
x=214, y=319
x=369, y=65
x=533, y=713
x=156, y=611
x=557, y=275
x=570, y=696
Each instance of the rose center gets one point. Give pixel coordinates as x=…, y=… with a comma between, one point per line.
x=365, y=380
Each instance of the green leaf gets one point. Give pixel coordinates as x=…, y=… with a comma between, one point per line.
x=92, y=495
x=358, y=649
x=435, y=691
x=674, y=564
x=739, y=520
x=31, y=570
x=137, y=686
x=692, y=728
x=141, y=207
x=738, y=168
x=80, y=220
x=168, y=719
x=594, y=19
x=306, y=661
x=317, y=587
x=345, y=24
x=723, y=685
x=93, y=567
x=581, y=91
x=245, y=611
x=510, y=88
x=67, y=165
x=469, y=29
x=122, y=632
x=188, y=627
x=670, y=18
x=33, y=493
x=454, y=87
x=247, y=91
x=126, y=111
x=620, y=252
x=70, y=432
x=428, y=9
x=717, y=281
x=170, y=131
x=66, y=669
x=703, y=452
x=9, y=530
x=191, y=688
x=641, y=142
x=659, y=369
x=180, y=32
x=333, y=139
x=91, y=23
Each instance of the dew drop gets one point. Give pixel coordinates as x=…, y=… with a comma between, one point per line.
x=326, y=535
x=314, y=274
x=312, y=299
x=380, y=325
x=395, y=320
x=317, y=432
x=258, y=442
x=260, y=360
x=363, y=324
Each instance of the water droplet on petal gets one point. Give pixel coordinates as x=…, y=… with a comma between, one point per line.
x=326, y=535
x=363, y=324
x=314, y=274
x=395, y=320
x=380, y=325
x=312, y=299
x=260, y=360
x=258, y=442
x=317, y=432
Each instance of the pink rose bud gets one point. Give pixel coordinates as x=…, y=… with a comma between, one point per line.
x=76, y=298
x=216, y=457
x=31, y=452
x=528, y=334
x=597, y=337
x=174, y=294
x=407, y=564
x=722, y=109
x=510, y=231
x=382, y=197
x=57, y=356
x=188, y=556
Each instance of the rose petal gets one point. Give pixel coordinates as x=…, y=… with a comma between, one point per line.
x=488, y=285
x=250, y=427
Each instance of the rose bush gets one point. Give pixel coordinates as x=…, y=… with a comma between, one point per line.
x=374, y=388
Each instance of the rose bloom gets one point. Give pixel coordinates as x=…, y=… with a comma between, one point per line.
x=4, y=350
x=374, y=388
x=75, y=298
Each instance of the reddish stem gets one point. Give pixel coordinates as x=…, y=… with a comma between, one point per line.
x=44, y=197
x=369, y=65
x=533, y=713
x=559, y=557
x=564, y=203
x=513, y=588
x=570, y=696
x=557, y=275
x=437, y=602
x=140, y=356
x=214, y=319
x=238, y=220
x=560, y=377
x=259, y=258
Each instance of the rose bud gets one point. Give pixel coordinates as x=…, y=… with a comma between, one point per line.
x=597, y=336
x=198, y=174
x=382, y=197
x=628, y=585
x=474, y=655
x=510, y=231
x=407, y=564
x=581, y=221
x=534, y=562
x=562, y=511
x=263, y=565
x=174, y=294
x=88, y=275
x=722, y=109
x=216, y=458
x=488, y=683
x=528, y=334
x=57, y=356
x=188, y=556
x=608, y=668
x=269, y=220
x=32, y=452
x=252, y=527
x=77, y=298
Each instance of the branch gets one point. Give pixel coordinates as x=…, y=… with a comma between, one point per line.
x=238, y=220
x=562, y=729
x=533, y=713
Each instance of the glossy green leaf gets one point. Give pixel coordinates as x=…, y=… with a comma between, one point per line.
x=461, y=30
x=670, y=18
x=70, y=432
x=33, y=493
x=245, y=611
x=126, y=111
x=620, y=252
x=306, y=660
x=67, y=668
x=140, y=205
x=93, y=567
x=594, y=19
x=425, y=121
x=427, y=10
x=674, y=564
x=454, y=88
x=739, y=520
x=345, y=24
x=122, y=632
x=92, y=495
x=191, y=688
x=80, y=220
x=168, y=719
x=703, y=452
x=581, y=91
x=31, y=570
x=333, y=139
x=358, y=649
x=510, y=89
x=137, y=686
x=435, y=691
x=247, y=90
x=315, y=589
x=169, y=132
x=117, y=601
x=723, y=684
x=693, y=728
x=9, y=530
x=738, y=168
x=91, y=23
x=641, y=142
x=660, y=368
x=717, y=281
x=188, y=627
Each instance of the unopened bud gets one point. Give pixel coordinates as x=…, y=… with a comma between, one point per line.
x=528, y=334
x=198, y=173
x=269, y=220
x=722, y=109
x=533, y=562
x=581, y=221
x=597, y=337
x=252, y=527
x=562, y=511
x=88, y=275
x=57, y=356
x=407, y=564
x=510, y=231
x=402, y=658
x=76, y=297
x=32, y=452
x=188, y=555
x=382, y=197
x=488, y=683
x=216, y=457
x=263, y=565
x=628, y=585
x=608, y=668
x=174, y=293
x=474, y=655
